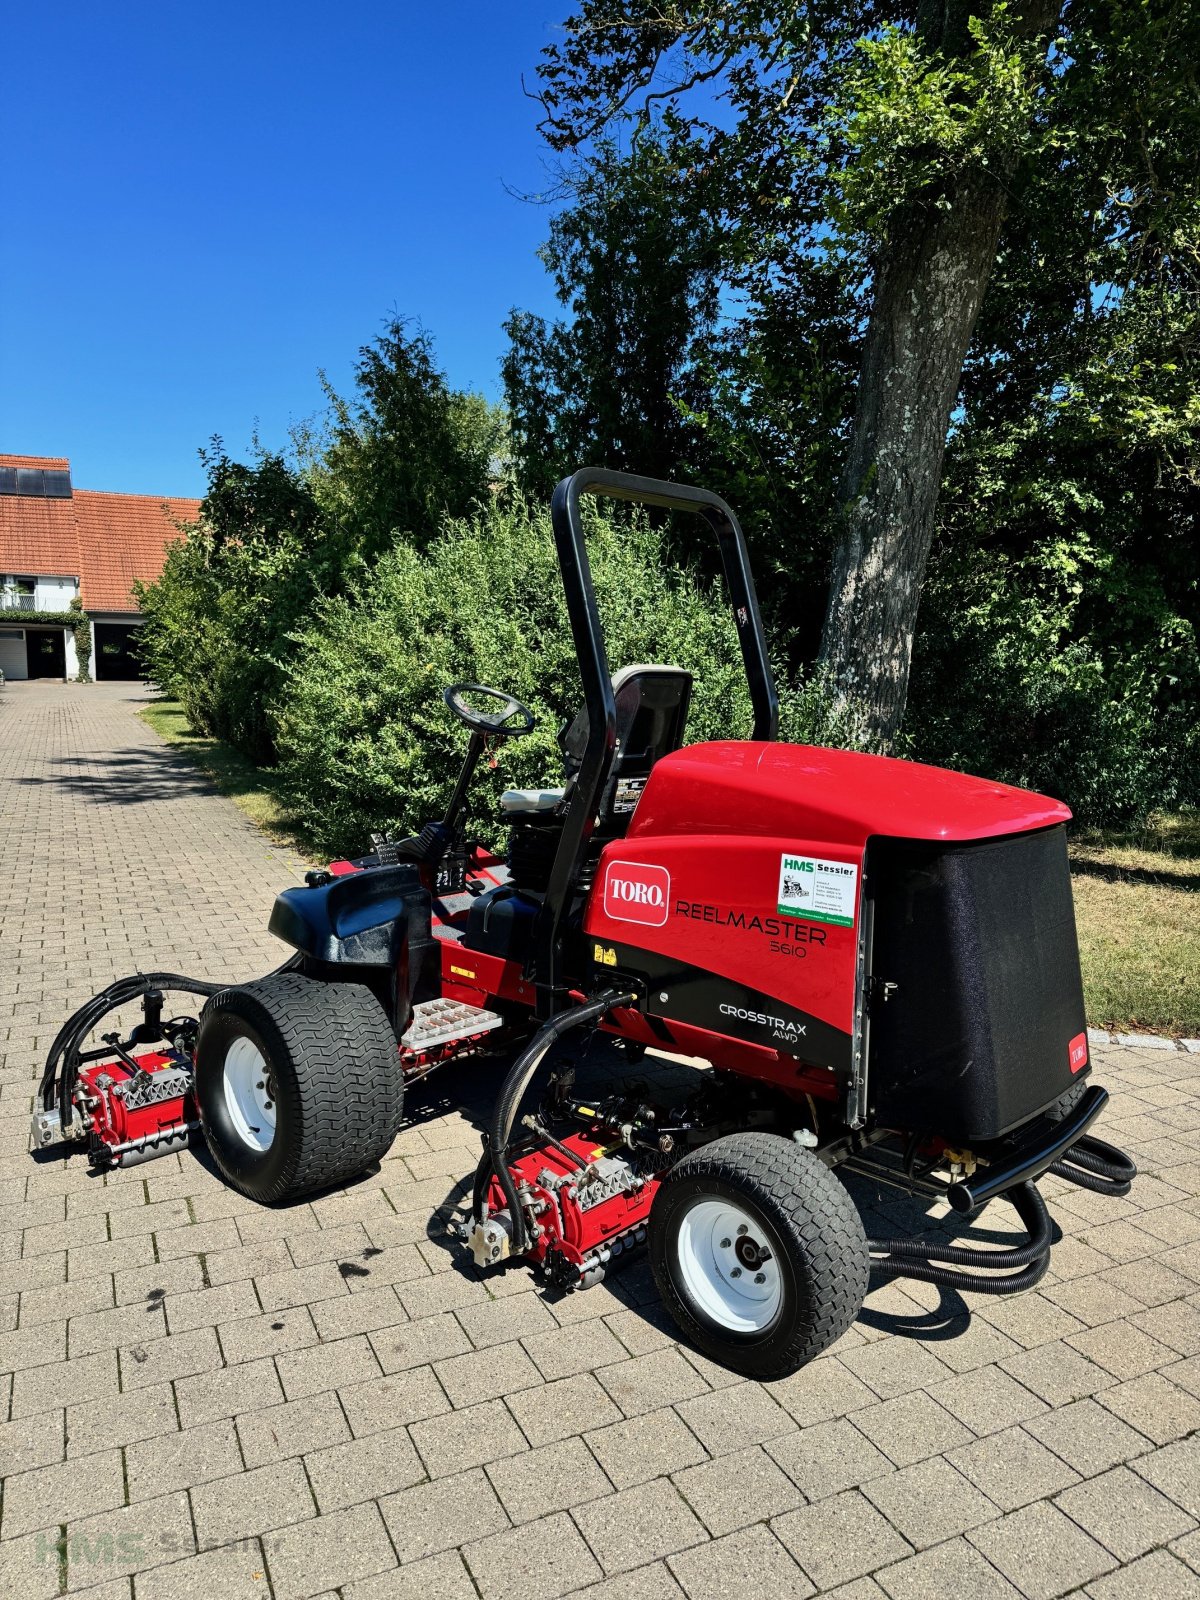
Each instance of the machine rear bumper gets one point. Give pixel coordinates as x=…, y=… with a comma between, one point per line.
x=1030, y=1157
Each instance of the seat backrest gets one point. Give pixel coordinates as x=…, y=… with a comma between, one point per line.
x=652, y=708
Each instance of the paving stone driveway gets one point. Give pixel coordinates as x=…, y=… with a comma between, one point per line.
x=208, y=1397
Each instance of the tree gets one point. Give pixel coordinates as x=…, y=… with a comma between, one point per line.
x=408, y=450
x=896, y=150
x=634, y=261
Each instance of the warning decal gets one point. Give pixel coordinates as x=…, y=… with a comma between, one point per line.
x=820, y=891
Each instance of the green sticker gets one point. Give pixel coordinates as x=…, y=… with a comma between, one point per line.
x=816, y=890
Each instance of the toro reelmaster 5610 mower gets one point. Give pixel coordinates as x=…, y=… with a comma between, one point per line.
x=877, y=958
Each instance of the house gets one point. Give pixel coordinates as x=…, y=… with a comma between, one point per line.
x=59, y=544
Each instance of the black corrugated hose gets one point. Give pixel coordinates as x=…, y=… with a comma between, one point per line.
x=62, y=1062
x=913, y=1258
x=1094, y=1165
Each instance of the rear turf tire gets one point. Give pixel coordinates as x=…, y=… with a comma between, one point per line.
x=760, y=1193
x=333, y=1096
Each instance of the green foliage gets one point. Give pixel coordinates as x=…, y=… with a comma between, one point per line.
x=634, y=261
x=364, y=737
x=1063, y=670
x=38, y=619
x=274, y=536
x=906, y=119
x=409, y=450
x=803, y=136
x=231, y=590
x=82, y=630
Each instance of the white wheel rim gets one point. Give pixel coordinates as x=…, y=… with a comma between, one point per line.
x=729, y=1266
x=248, y=1095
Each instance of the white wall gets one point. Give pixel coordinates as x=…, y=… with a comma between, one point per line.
x=55, y=594
x=12, y=656
x=72, y=655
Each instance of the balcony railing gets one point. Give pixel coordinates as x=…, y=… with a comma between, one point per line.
x=11, y=600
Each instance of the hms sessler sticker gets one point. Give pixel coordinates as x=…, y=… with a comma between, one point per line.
x=820, y=891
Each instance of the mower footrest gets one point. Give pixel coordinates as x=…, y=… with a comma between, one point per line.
x=440, y=1022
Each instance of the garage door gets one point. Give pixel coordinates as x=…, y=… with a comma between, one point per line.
x=116, y=652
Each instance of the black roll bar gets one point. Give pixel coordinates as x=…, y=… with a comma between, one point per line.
x=598, y=699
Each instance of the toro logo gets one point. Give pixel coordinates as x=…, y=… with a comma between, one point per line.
x=1077, y=1052
x=637, y=892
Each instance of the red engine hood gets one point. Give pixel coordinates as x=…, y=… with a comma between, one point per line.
x=839, y=796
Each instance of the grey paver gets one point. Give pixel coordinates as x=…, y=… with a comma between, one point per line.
x=748, y=1562
x=955, y=1568
x=1124, y=1513
x=227, y=1509
x=736, y=1490
x=437, y=1516
x=63, y=1491
x=1159, y=1575
x=1175, y=1469
x=461, y=1439
x=552, y=1478
x=840, y=1538
x=557, y=1410
x=442, y=1576
x=929, y=1502
x=235, y=1572
x=1013, y=1468
x=328, y=1552
x=249, y=1365
x=647, y=1446
x=639, y=1525
x=1042, y=1551
x=273, y=1433
x=828, y=1457
x=179, y=1460
x=363, y=1469
x=538, y=1563
x=136, y=1538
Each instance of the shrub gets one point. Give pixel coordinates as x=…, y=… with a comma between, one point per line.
x=364, y=738
x=1065, y=671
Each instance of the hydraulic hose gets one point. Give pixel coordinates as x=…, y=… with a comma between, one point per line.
x=1093, y=1164
x=62, y=1062
x=513, y=1090
x=911, y=1258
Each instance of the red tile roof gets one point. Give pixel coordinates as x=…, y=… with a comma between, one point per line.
x=37, y=536
x=48, y=463
x=123, y=537
x=105, y=540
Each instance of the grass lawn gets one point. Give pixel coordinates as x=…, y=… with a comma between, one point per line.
x=1137, y=903
x=1137, y=894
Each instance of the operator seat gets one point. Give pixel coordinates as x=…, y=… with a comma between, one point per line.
x=652, y=707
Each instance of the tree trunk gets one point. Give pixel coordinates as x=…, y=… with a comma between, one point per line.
x=929, y=286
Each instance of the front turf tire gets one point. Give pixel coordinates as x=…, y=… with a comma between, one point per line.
x=758, y=1252
x=333, y=1097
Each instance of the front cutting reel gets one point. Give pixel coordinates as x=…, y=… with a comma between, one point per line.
x=127, y=1107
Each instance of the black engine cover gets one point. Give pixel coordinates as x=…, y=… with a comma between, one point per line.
x=979, y=942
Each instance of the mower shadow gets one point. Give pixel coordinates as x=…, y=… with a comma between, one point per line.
x=886, y=1213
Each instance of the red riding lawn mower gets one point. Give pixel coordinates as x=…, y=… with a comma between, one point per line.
x=878, y=959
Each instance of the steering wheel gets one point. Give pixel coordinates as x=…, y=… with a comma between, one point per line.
x=491, y=726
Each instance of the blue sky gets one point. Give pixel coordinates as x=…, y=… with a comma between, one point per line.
x=206, y=204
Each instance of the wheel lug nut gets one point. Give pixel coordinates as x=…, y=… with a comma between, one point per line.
x=742, y=1229
x=736, y=1273
x=760, y=1277
x=725, y=1243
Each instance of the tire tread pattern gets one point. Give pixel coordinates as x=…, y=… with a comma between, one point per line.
x=819, y=1224
x=347, y=1072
